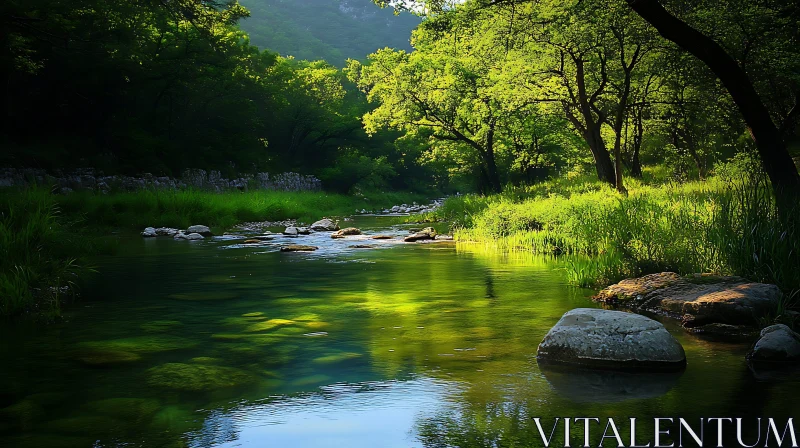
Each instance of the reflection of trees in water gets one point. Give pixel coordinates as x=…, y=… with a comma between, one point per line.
x=704, y=391
x=489, y=286
x=219, y=427
x=493, y=426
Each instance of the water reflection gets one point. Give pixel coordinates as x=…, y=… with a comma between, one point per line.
x=206, y=345
x=607, y=386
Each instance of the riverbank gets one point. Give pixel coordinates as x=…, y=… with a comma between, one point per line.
x=47, y=239
x=722, y=225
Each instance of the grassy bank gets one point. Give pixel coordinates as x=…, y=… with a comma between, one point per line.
x=218, y=210
x=723, y=225
x=45, y=239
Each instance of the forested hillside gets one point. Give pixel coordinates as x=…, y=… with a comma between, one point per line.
x=333, y=30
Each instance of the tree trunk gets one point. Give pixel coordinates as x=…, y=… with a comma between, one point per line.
x=602, y=159
x=771, y=147
x=636, y=164
x=491, y=164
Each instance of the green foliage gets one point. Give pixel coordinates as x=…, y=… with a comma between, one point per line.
x=159, y=87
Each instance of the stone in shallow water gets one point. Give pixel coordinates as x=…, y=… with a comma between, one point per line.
x=298, y=248
x=346, y=232
x=428, y=233
x=611, y=339
x=160, y=326
x=128, y=409
x=324, y=225
x=697, y=300
x=202, y=230
x=777, y=344
x=196, y=377
x=100, y=357
x=268, y=325
x=149, y=232
x=382, y=237
x=204, y=295
x=290, y=231
x=139, y=344
x=334, y=358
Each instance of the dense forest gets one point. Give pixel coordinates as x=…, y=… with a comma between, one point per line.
x=331, y=30
x=159, y=87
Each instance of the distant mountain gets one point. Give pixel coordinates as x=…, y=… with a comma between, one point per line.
x=333, y=30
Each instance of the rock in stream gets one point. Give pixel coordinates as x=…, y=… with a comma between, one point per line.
x=719, y=304
x=591, y=337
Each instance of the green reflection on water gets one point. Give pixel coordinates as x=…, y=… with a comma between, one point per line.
x=171, y=335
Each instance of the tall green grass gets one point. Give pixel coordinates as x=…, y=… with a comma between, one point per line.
x=40, y=261
x=181, y=209
x=722, y=225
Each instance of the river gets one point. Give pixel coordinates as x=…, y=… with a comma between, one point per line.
x=220, y=344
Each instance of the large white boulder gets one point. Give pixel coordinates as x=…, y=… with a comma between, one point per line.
x=325, y=225
x=613, y=339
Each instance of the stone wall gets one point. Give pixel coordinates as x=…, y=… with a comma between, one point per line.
x=89, y=179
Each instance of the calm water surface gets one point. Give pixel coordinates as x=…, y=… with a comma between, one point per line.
x=219, y=344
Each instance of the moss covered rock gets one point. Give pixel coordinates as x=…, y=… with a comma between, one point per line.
x=197, y=377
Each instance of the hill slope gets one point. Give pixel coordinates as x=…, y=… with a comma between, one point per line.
x=333, y=30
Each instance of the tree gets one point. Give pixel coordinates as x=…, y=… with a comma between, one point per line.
x=769, y=138
x=444, y=90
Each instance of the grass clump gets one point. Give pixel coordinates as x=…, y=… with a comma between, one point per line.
x=40, y=259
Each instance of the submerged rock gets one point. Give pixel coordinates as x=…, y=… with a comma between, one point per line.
x=160, y=326
x=202, y=230
x=611, y=339
x=777, y=344
x=427, y=233
x=325, y=225
x=129, y=409
x=298, y=248
x=253, y=241
x=382, y=237
x=363, y=246
x=105, y=357
x=697, y=300
x=197, y=377
x=194, y=237
x=346, y=232
x=149, y=232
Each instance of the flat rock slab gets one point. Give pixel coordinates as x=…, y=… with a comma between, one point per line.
x=611, y=339
x=427, y=233
x=346, y=232
x=298, y=248
x=697, y=300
